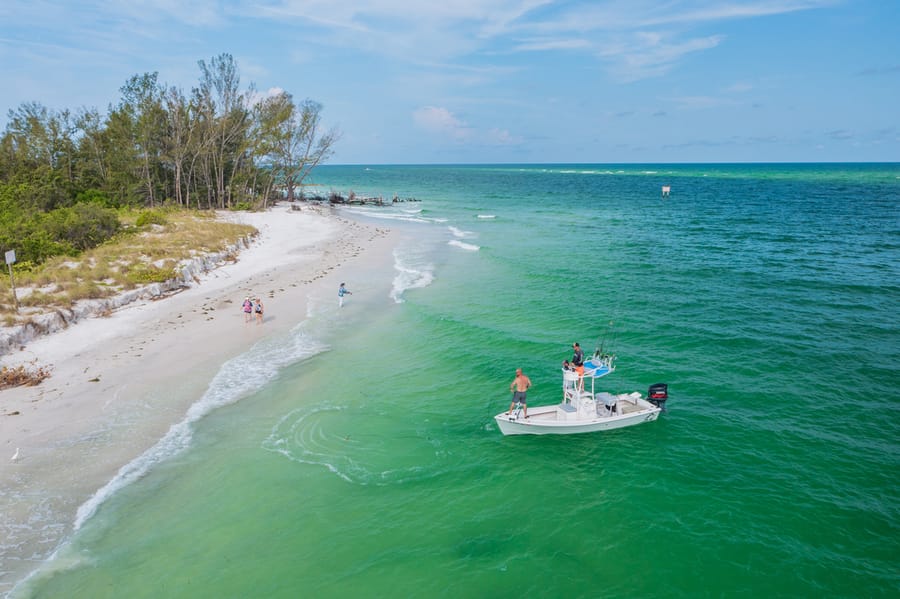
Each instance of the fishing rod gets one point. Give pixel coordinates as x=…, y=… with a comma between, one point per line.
x=598, y=352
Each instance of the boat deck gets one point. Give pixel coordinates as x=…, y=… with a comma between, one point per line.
x=568, y=413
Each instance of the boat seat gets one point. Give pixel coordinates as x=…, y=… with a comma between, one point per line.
x=607, y=404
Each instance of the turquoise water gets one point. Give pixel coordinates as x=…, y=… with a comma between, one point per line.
x=361, y=459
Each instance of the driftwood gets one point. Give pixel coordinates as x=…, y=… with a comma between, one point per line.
x=351, y=199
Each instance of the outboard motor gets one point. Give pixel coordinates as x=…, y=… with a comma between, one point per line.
x=658, y=394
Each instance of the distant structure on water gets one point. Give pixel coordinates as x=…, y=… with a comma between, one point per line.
x=666, y=190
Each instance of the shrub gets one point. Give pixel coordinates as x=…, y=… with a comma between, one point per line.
x=143, y=274
x=95, y=196
x=150, y=217
x=82, y=226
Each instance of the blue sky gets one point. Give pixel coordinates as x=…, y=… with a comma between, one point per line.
x=451, y=81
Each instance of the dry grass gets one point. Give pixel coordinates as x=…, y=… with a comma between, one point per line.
x=24, y=374
x=138, y=256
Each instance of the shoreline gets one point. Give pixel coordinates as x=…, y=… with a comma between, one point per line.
x=119, y=383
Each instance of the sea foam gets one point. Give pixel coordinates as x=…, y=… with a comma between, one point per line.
x=413, y=272
x=464, y=246
x=390, y=214
x=237, y=378
x=460, y=233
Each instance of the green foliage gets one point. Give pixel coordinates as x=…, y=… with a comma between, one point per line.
x=150, y=217
x=82, y=226
x=37, y=236
x=96, y=196
x=35, y=244
x=207, y=149
x=237, y=206
x=143, y=274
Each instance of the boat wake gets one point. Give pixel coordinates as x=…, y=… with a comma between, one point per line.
x=322, y=436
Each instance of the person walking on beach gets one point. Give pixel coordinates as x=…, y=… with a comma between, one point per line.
x=248, y=309
x=519, y=386
x=342, y=291
x=258, y=308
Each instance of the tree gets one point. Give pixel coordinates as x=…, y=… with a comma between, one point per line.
x=38, y=148
x=224, y=114
x=142, y=102
x=94, y=169
x=181, y=128
x=209, y=149
x=293, y=138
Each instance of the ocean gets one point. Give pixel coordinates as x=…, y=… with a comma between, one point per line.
x=358, y=456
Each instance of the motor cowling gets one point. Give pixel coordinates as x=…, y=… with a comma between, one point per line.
x=657, y=394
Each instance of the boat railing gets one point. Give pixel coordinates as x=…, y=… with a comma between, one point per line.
x=571, y=384
x=600, y=365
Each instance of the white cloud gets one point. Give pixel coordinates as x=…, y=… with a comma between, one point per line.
x=538, y=45
x=502, y=137
x=440, y=120
x=648, y=54
x=258, y=96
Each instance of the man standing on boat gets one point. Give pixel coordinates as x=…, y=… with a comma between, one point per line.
x=578, y=364
x=519, y=387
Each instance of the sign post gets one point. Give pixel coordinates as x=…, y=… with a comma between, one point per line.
x=10, y=260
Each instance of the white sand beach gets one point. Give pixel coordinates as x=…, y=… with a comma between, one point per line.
x=118, y=383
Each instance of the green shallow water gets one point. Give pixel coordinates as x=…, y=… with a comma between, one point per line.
x=366, y=462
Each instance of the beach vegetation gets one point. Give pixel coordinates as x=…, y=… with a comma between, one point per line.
x=24, y=374
x=95, y=202
x=131, y=258
x=73, y=180
x=150, y=217
x=292, y=138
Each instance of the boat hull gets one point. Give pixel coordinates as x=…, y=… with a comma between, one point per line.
x=553, y=420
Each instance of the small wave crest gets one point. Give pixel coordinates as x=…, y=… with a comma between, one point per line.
x=486, y=216
x=409, y=216
x=412, y=273
x=237, y=378
x=465, y=246
x=460, y=234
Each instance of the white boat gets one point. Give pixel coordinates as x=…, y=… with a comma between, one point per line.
x=584, y=410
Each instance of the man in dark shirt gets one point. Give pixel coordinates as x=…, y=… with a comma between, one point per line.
x=578, y=364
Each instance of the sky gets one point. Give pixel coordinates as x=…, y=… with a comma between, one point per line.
x=501, y=81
